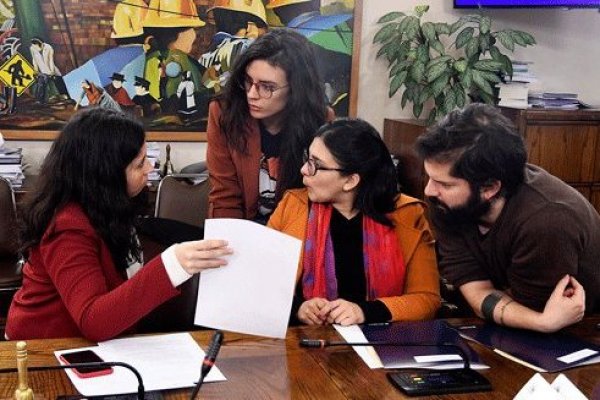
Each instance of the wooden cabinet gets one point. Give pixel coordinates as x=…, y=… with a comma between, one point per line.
x=565, y=143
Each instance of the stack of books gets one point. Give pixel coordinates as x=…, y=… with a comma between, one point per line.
x=556, y=101
x=11, y=165
x=153, y=156
x=514, y=92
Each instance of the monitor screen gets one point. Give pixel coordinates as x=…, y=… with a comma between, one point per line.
x=525, y=3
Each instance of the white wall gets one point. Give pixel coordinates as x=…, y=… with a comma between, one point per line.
x=566, y=58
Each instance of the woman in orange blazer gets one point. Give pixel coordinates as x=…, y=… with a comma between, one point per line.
x=258, y=129
x=368, y=252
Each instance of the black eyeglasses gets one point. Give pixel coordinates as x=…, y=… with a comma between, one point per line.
x=265, y=90
x=314, y=167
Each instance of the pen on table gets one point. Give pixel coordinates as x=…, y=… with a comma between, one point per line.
x=466, y=327
x=378, y=324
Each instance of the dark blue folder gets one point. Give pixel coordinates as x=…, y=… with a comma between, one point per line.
x=432, y=334
x=539, y=351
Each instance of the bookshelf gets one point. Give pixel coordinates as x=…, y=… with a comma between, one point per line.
x=565, y=143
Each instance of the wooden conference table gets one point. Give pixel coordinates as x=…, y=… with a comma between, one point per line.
x=260, y=368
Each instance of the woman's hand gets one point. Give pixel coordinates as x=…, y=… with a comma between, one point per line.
x=343, y=312
x=201, y=254
x=310, y=310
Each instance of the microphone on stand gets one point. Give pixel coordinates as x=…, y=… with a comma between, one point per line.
x=209, y=361
x=423, y=382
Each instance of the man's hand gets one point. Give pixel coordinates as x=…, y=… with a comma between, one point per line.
x=343, y=312
x=310, y=311
x=565, y=306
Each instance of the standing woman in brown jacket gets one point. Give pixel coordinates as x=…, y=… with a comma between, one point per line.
x=368, y=252
x=258, y=129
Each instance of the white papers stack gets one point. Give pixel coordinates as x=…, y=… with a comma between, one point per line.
x=553, y=100
x=164, y=361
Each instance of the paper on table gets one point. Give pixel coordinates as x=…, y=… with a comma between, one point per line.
x=165, y=362
x=537, y=388
x=354, y=334
x=253, y=293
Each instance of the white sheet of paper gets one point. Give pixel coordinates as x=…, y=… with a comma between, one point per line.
x=537, y=388
x=353, y=334
x=253, y=293
x=165, y=362
x=566, y=389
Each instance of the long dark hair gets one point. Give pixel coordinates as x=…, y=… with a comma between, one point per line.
x=306, y=108
x=358, y=149
x=86, y=165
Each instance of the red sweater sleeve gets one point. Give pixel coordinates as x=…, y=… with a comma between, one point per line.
x=74, y=262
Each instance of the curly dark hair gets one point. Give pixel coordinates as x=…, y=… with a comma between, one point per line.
x=86, y=165
x=304, y=113
x=481, y=143
x=358, y=149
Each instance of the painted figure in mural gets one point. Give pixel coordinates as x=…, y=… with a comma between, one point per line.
x=118, y=92
x=332, y=39
x=17, y=73
x=185, y=94
x=96, y=96
x=238, y=23
x=127, y=58
x=170, y=30
x=49, y=80
x=144, y=99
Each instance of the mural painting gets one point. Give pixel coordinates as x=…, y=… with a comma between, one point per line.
x=159, y=60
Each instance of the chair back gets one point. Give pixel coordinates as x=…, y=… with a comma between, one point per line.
x=184, y=198
x=11, y=262
x=8, y=219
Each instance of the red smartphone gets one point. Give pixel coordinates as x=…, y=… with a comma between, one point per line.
x=85, y=356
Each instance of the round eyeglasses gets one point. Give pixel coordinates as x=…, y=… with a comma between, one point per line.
x=265, y=90
x=313, y=166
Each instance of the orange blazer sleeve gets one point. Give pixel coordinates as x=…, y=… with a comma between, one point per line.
x=225, y=199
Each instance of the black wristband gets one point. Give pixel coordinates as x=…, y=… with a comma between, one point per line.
x=489, y=304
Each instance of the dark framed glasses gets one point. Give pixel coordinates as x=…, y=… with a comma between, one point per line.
x=313, y=165
x=265, y=90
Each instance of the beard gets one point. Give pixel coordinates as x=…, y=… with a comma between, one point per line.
x=466, y=214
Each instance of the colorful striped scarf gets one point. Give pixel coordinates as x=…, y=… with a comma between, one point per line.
x=383, y=261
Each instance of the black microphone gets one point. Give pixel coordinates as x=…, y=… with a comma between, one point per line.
x=138, y=376
x=320, y=343
x=209, y=360
x=423, y=382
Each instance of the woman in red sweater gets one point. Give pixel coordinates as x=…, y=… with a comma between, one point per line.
x=79, y=238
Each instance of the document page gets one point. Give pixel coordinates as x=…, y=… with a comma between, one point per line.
x=165, y=362
x=253, y=293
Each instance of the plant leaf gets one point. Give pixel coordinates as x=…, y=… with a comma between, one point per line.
x=438, y=46
x=484, y=42
x=467, y=78
x=386, y=32
x=485, y=25
x=405, y=97
x=442, y=28
x=438, y=86
x=417, y=72
x=417, y=109
x=464, y=36
x=518, y=39
x=491, y=76
x=529, y=39
x=438, y=60
x=456, y=26
x=506, y=40
x=460, y=65
x=412, y=27
x=385, y=50
x=507, y=65
x=420, y=10
x=449, y=101
x=423, y=53
x=481, y=83
x=472, y=48
x=432, y=116
x=488, y=65
x=487, y=98
x=436, y=71
x=402, y=65
x=460, y=96
x=428, y=30
x=390, y=17
x=495, y=53
x=396, y=82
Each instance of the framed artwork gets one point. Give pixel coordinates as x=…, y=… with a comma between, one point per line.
x=160, y=60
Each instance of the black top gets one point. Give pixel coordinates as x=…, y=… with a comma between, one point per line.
x=269, y=143
x=347, y=240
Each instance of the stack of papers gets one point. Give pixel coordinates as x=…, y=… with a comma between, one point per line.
x=552, y=100
x=165, y=362
x=514, y=92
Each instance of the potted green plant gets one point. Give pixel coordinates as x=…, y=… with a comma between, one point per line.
x=470, y=65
